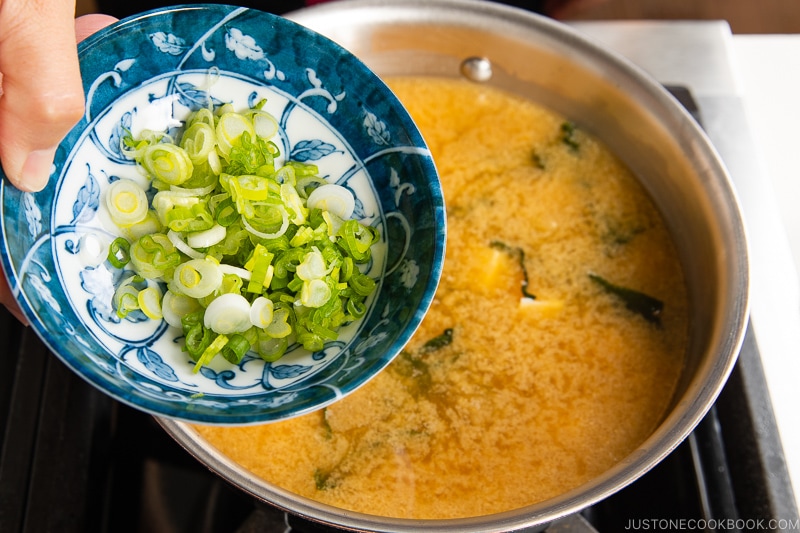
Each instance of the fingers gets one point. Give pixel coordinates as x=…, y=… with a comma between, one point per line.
x=42, y=95
x=31, y=74
x=89, y=24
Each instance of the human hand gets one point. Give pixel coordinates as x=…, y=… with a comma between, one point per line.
x=41, y=94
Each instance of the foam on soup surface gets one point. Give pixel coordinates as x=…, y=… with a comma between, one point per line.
x=545, y=358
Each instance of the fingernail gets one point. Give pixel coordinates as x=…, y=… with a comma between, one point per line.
x=37, y=169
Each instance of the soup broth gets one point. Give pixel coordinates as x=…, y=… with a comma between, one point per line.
x=551, y=350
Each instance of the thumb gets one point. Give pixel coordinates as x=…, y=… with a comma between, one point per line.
x=42, y=94
x=18, y=156
x=88, y=24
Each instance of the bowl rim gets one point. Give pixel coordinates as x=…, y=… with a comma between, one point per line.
x=175, y=409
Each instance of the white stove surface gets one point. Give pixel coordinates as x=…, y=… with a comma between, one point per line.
x=748, y=97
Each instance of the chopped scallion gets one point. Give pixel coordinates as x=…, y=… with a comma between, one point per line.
x=250, y=255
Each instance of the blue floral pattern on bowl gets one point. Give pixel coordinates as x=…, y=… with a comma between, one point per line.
x=150, y=72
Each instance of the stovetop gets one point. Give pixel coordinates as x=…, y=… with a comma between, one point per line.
x=75, y=460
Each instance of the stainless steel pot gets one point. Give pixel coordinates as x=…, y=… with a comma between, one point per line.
x=640, y=121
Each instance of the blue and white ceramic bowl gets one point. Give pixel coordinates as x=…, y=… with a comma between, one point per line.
x=151, y=71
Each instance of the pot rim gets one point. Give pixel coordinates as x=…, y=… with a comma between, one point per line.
x=686, y=412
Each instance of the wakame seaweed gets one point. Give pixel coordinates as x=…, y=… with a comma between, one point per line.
x=326, y=426
x=648, y=307
x=441, y=341
x=568, y=130
x=519, y=253
x=322, y=480
x=538, y=161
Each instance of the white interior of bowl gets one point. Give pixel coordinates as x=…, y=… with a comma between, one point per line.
x=147, y=112
x=641, y=123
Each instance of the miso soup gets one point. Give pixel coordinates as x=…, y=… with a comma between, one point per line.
x=551, y=350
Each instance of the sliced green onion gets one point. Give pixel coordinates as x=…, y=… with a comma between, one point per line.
x=176, y=306
x=198, y=141
x=230, y=128
x=167, y=162
x=313, y=266
x=235, y=349
x=303, y=236
x=196, y=340
x=189, y=219
x=126, y=202
x=202, y=190
x=196, y=337
x=334, y=223
x=226, y=214
x=265, y=125
x=286, y=175
x=252, y=188
x=293, y=202
x=270, y=349
x=361, y=284
x=302, y=169
x=261, y=234
x=348, y=269
x=308, y=183
x=287, y=262
x=201, y=116
x=214, y=163
x=236, y=243
x=149, y=300
x=236, y=271
x=334, y=199
x=228, y=313
x=261, y=312
x=260, y=265
x=126, y=298
x=180, y=244
x=223, y=215
x=279, y=327
x=357, y=239
x=322, y=331
x=210, y=352
x=119, y=252
x=310, y=340
x=197, y=277
x=356, y=308
x=154, y=256
x=206, y=238
x=149, y=224
x=231, y=284
x=315, y=293
x=295, y=285
x=166, y=201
